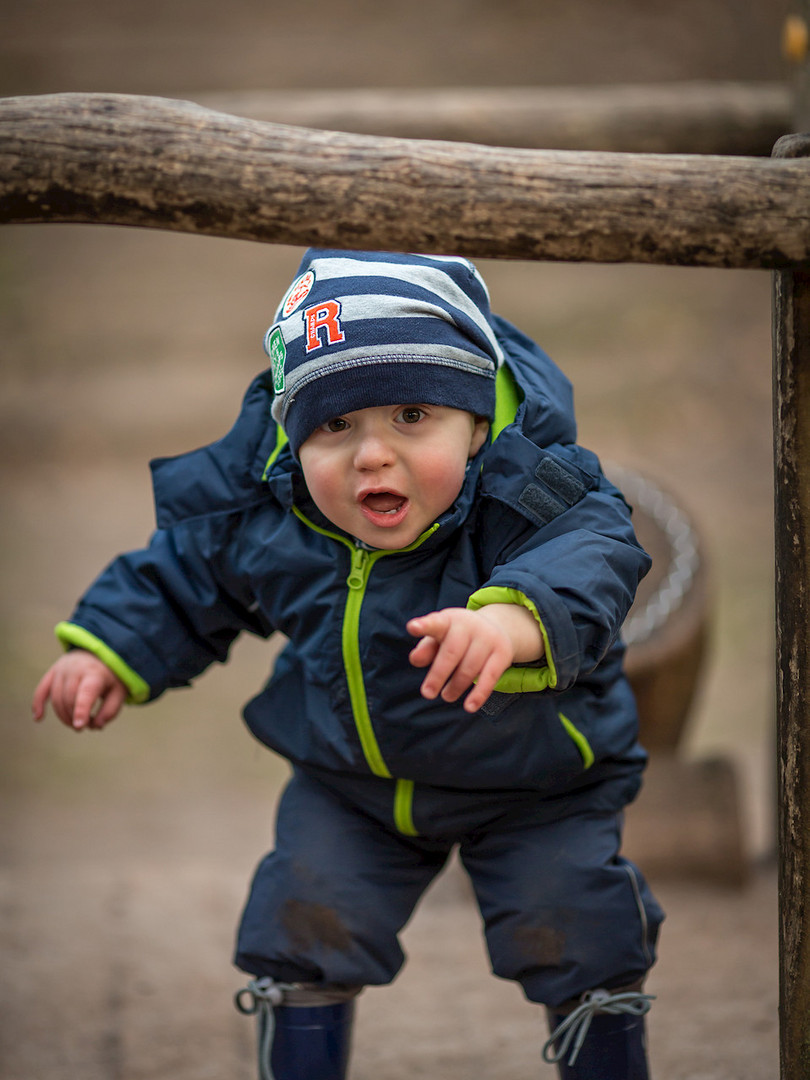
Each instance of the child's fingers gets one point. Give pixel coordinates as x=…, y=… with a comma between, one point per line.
x=83, y=702
x=461, y=651
x=82, y=691
x=86, y=694
x=467, y=670
x=435, y=624
x=41, y=695
x=431, y=629
x=423, y=653
x=450, y=653
x=485, y=684
x=111, y=705
x=61, y=698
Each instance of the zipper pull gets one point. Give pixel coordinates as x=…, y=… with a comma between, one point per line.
x=356, y=578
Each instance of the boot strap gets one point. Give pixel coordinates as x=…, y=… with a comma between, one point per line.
x=266, y=991
x=261, y=996
x=573, y=1028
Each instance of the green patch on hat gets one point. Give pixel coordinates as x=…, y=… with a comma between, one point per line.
x=277, y=351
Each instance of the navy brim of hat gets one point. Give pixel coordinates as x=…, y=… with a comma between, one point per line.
x=379, y=383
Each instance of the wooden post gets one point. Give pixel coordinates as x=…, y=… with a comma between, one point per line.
x=791, y=402
x=792, y=541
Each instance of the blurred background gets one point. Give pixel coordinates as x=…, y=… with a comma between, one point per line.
x=121, y=345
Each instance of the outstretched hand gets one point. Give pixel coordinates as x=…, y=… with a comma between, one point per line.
x=463, y=649
x=83, y=692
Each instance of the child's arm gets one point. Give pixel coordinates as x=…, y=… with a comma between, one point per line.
x=83, y=692
x=463, y=647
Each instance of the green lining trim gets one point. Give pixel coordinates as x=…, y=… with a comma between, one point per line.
x=362, y=562
x=403, y=808
x=579, y=739
x=72, y=635
x=518, y=680
x=508, y=397
x=281, y=442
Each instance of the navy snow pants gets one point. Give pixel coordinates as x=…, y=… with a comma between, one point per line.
x=563, y=911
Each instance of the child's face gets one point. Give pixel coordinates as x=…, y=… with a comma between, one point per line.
x=386, y=473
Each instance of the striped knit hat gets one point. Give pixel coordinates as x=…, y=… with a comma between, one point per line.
x=363, y=328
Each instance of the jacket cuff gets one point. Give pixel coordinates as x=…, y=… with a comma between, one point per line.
x=523, y=679
x=73, y=636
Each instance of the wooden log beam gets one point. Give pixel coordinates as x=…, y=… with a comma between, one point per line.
x=663, y=118
x=139, y=161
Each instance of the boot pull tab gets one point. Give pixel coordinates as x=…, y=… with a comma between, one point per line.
x=258, y=992
x=258, y=999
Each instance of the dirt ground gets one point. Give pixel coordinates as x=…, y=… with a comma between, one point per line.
x=124, y=857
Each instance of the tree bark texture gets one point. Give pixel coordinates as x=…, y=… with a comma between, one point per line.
x=792, y=478
x=792, y=543
x=140, y=161
x=665, y=118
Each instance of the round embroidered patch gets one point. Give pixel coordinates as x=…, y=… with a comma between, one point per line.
x=299, y=291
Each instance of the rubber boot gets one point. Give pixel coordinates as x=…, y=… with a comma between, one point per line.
x=311, y=1042
x=614, y=1049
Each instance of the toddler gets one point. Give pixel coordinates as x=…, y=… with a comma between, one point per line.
x=403, y=497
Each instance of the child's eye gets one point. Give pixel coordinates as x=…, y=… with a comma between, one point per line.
x=411, y=414
x=336, y=424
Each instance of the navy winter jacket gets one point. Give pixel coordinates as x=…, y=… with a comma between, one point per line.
x=241, y=546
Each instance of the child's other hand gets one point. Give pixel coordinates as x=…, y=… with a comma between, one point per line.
x=465, y=648
x=83, y=692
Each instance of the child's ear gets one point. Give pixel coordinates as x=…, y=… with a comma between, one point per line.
x=479, y=434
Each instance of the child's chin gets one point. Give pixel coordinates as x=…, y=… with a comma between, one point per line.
x=390, y=532
x=389, y=539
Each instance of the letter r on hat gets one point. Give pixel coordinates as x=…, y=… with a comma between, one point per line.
x=323, y=325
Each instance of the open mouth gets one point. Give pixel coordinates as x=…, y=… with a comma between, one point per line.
x=384, y=507
x=383, y=502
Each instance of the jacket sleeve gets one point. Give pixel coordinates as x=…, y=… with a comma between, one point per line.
x=158, y=617
x=561, y=543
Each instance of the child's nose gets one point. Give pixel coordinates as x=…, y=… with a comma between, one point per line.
x=373, y=452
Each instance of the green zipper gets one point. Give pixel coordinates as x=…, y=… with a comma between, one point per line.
x=362, y=563
x=509, y=396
